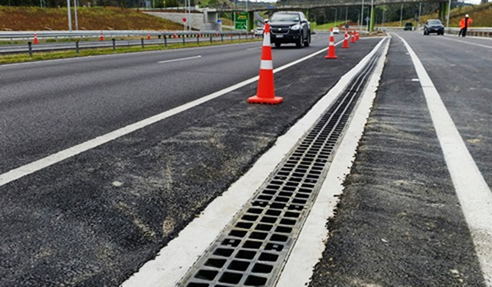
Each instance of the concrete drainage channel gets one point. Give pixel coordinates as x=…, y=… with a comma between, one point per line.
x=253, y=248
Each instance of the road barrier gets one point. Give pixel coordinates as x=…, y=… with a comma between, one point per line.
x=44, y=35
x=212, y=35
x=485, y=32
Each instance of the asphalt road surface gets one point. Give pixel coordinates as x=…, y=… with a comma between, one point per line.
x=95, y=218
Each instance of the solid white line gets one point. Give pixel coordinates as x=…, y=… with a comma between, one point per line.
x=181, y=59
x=469, y=43
x=311, y=242
x=35, y=166
x=174, y=260
x=473, y=192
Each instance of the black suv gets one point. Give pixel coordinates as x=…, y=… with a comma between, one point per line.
x=290, y=27
x=433, y=26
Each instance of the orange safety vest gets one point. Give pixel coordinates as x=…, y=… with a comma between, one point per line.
x=462, y=23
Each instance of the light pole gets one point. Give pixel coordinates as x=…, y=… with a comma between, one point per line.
x=449, y=12
x=418, y=21
x=371, y=21
x=346, y=15
x=335, y=15
x=362, y=14
x=401, y=13
x=75, y=4
x=69, y=16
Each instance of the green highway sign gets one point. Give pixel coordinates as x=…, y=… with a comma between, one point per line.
x=241, y=20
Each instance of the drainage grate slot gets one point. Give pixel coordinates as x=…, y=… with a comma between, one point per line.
x=232, y=278
x=252, y=244
x=268, y=257
x=264, y=227
x=262, y=268
x=217, y=263
x=237, y=233
x=252, y=250
x=223, y=252
x=238, y=265
x=243, y=254
x=245, y=225
x=206, y=274
x=255, y=281
x=258, y=235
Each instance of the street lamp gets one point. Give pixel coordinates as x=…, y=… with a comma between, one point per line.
x=335, y=15
x=69, y=16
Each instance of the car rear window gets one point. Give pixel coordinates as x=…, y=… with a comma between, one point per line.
x=435, y=22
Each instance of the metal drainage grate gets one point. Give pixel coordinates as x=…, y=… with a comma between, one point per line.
x=252, y=250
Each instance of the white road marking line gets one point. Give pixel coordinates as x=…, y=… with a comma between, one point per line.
x=255, y=48
x=473, y=192
x=469, y=43
x=311, y=242
x=180, y=59
x=174, y=260
x=35, y=166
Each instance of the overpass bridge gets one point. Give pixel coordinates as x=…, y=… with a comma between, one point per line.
x=211, y=14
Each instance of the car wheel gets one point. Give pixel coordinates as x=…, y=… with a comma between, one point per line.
x=300, y=41
x=308, y=40
x=277, y=44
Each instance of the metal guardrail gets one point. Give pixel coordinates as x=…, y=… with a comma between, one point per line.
x=29, y=35
x=485, y=32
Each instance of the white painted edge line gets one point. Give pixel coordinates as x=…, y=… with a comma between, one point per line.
x=180, y=59
x=174, y=260
x=473, y=192
x=32, y=167
x=469, y=43
x=311, y=242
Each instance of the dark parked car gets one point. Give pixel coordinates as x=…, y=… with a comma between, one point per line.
x=433, y=26
x=290, y=27
x=408, y=26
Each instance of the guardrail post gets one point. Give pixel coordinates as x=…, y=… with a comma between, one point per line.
x=222, y=38
x=183, y=40
x=198, y=40
x=77, y=46
x=239, y=37
x=165, y=40
x=29, y=44
x=210, y=38
x=114, y=44
x=142, y=41
x=231, y=37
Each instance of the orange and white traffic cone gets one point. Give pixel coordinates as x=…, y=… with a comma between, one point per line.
x=331, y=47
x=352, y=37
x=357, y=36
x=36, y=38
x=148, y=35
x=345, y=41
x=265, y=93
x=175, y=35
x=102, y=36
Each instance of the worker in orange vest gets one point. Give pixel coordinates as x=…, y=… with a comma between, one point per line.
x=464, y=24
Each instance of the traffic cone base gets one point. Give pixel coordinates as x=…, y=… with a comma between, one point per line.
x=345, y=41
x=265, y=101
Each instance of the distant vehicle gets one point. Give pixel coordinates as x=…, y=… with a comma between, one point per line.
x=408, y=26
x=290, y=27
x=259, y=31
x=434, y=26
x=336, y=30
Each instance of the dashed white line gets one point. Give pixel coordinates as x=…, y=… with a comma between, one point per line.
x=180, y=59
x=473, y=192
